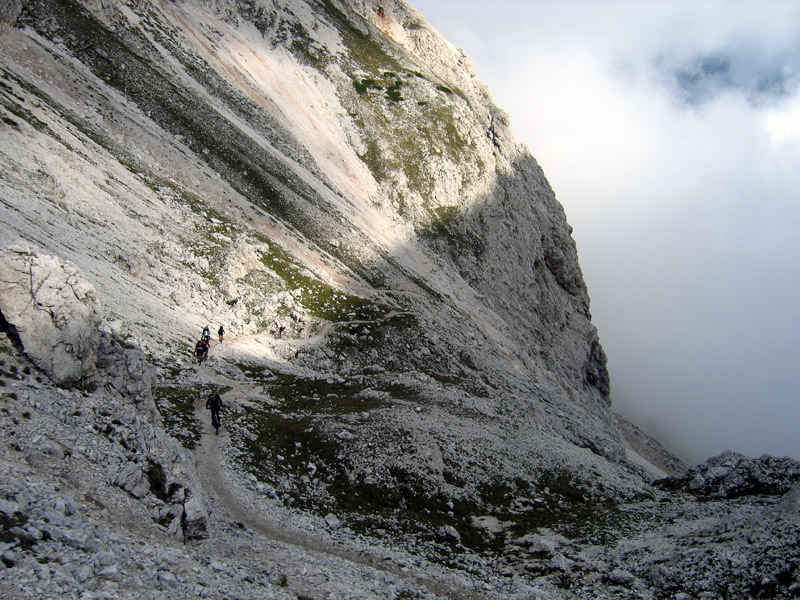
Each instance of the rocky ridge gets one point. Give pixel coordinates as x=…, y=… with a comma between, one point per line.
x=435, y=420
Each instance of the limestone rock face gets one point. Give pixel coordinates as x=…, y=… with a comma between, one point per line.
x=51, y=309
x=10, y=9
x=126, y=372
x=414, y=391
x=54, y=312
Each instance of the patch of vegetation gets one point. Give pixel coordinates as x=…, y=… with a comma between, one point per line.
x=318, y=396
x=306, y=49
x=366, y=84
x=289, y=444
x=257, y=374
x=411, y=144
x=157, y=480
x=405, y=139
x=364, y=52
x=553, y=501
x=287, y=429
x=393, y=91
x=292, y=444
x=275, y=447
x=290, y=447
x=380, y=164
x=319, y=298
x=391, y=87
x=176, y=406
x=442, y=216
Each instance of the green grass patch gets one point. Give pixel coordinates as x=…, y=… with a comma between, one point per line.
x=442, y=217
x=364, y=52
x=290, y=445
x=553, y=501
x=274, y=446
x=413, y=139
x=394, y=95
x=318, y=396
x=320, y=299
x=292, y=442
x=176, y=406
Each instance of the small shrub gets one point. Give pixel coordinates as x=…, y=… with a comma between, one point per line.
x=393, y=91
x=158, y=480
x=394, y=96
x=366, y=84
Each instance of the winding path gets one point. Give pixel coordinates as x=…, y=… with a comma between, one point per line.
x=314, y=565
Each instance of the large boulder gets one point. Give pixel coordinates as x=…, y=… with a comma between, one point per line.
x=53, y=311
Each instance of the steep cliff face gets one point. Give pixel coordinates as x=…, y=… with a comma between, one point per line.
x=333, y=168
x=416, y=401
x=349, y=137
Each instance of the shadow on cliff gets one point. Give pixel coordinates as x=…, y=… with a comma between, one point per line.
x=514, y=248
x=500, y=282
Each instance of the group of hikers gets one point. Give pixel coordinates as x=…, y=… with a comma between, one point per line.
x=204, y=343
x=214, y=401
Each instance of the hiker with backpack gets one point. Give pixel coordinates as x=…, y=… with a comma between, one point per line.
x=221, y=332
x=201, y=350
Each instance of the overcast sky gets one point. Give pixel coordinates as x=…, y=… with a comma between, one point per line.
x=670, y=132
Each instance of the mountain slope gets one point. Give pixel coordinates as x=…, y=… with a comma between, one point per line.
x=174, y=111
x=332, y=168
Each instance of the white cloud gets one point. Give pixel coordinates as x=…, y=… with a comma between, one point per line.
x=784, y=124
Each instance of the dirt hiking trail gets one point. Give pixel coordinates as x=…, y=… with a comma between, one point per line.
x=314, y=564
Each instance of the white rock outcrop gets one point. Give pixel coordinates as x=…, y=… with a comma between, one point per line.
x=54, y=312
